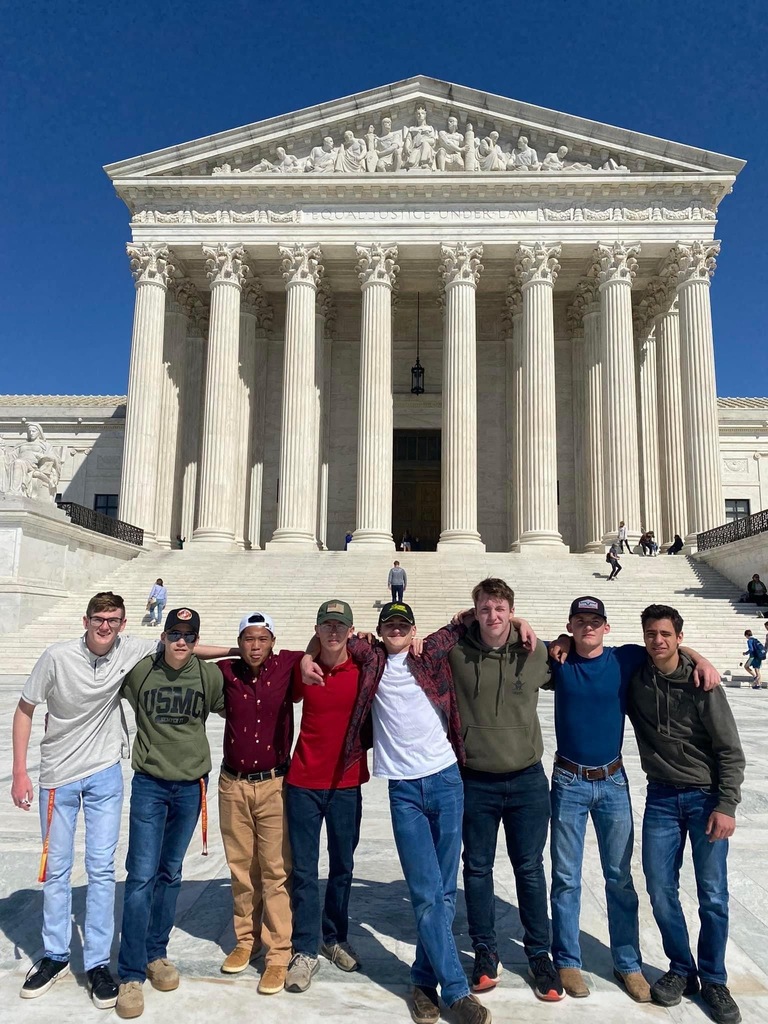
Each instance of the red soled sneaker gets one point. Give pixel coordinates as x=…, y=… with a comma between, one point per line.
x=485, y=973
x=546, y=980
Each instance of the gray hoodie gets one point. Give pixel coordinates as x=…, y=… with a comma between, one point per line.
x=686, y=736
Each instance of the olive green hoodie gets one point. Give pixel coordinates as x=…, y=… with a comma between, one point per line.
x=686, y=736
x=497, y=690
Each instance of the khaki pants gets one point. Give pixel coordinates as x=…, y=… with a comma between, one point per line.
x=255, y=834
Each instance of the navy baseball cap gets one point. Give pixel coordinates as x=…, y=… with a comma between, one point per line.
x=587, y=606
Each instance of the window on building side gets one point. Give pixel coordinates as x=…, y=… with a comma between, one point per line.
x=106, y=504
x=736, y=508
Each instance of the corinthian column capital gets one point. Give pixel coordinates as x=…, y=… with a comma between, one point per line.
x=460, y=263
x=513, y=303
x=617, y=262
x=184, y=294
x=301, y=263
x=226, y=264
x=377, y=264
x=255, y=302
x=695, y=262
x=584, y=298
x=150, y=264
x=537, y=263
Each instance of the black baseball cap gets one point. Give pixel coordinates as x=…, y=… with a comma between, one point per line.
x=396, y=610
x=587, y=606
x=182, y=617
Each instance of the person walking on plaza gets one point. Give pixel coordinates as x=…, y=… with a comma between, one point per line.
x=755, y=653
x=397, y=581
x=623, y=539
x=319, y=790
x=691, y=753
x=80, y=754
x=612, y=558
x=172, y=694
x=258, y=735
x=156, y=602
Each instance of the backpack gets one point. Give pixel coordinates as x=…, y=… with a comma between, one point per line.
x=759, y=649
x=608, y=558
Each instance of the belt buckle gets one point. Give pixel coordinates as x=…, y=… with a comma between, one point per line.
x=594, y=774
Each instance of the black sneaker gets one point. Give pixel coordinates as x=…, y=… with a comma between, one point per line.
x=546, y=980
x=485, y=973
x=102, y=986
x=42, y=975
x=671, y=987
x=722, y=1008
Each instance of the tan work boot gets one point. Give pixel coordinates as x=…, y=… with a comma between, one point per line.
x=237, y=960
x=163, y=975
x=273, y=979
x=636, y=986
x=130, y=1000
x=573, y=982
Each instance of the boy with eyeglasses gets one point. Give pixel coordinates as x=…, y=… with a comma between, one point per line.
x=172, y=694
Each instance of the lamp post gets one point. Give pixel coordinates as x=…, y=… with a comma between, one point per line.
x=417, y=370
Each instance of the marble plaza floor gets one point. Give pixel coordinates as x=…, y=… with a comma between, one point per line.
x=382, y=928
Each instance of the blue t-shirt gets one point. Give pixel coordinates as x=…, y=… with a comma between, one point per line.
x=590, y=702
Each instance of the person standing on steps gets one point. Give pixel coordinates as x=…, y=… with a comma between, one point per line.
x=156, y=602
x=623, y=539
x=397, y=581
x=612, y=558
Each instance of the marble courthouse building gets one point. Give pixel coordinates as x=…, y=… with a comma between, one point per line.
x=554, y=272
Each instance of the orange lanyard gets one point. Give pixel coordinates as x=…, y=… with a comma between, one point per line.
x=44, y=855
x=204, y=816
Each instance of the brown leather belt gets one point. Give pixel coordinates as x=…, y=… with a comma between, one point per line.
x=275, y=773
x=589, y=774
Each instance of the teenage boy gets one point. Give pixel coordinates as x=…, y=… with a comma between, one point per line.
x=319, y=790
x=85, y=738
x=172, y=694
x=589, y=780
x=258, y=736
x=417, y=747
x=497, y=680
x=397, y=581
x=690, y=751
x=755, y=653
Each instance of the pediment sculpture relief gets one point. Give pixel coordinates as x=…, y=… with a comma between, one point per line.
x=31, y=468
x=420, y=147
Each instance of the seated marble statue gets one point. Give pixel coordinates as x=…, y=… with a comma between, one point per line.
x=322, y=159
x=450, y=148
x=419, y=143
x=285, y=163
x=557, y=162
x=388, y=147
x=31, y=468
x=490, y=156
x=523, y=157
x=613, y=165
x=350, y=158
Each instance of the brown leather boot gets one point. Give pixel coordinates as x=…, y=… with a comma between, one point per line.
x=573, y=982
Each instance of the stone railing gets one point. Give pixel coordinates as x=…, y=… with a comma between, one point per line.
x=749, y=526
x=99, y=523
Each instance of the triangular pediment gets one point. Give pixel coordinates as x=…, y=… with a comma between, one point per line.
x=492, y=134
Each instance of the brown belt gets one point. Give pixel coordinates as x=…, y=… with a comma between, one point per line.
x=589, y=774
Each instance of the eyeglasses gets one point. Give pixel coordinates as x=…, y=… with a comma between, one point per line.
x=98, y=622
x=176, y=634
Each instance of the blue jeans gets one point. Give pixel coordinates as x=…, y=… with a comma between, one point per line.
x=607, y=803
x=397, y=594
x=426, y=820
x=101, y=797
x=341, y=809
x=671, y=816
x=163, y=819
x=156, y=612
x=521, y=801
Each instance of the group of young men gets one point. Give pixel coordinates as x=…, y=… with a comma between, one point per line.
x=453, y=723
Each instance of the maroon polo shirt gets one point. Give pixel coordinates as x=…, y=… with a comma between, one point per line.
x=258, y=733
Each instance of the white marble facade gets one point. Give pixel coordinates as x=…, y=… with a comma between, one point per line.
x=562, y=269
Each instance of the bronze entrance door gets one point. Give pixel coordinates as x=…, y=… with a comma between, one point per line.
x=416, y=487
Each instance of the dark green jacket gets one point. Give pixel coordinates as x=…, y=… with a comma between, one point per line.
x=497, y=691
x=171, y=708
x=686, y=736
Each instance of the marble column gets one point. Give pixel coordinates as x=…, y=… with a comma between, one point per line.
x=242, y=415
x=258, y=415
x=537, y=269
x=648, y=423
x=460, y=269
x=621, y=469
x=296, y=513
x=674, y=518
x=221, y=442
x=168, y=495
x=514, y=373
x=578, y=404
x=706, y=509
x=377, y=271
x=152, y=270
x=190, y=415
x=594, y=505
x=325, y=314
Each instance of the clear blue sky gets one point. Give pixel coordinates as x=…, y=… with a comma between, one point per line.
x=84, y=84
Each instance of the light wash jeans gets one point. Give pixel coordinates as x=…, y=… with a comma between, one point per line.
x=156, y=612
x=607, y=802
x=101, y=797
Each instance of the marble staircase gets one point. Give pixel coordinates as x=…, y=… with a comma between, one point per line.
x=223, y=585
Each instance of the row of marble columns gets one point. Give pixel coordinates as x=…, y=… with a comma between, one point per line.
x=193, y=406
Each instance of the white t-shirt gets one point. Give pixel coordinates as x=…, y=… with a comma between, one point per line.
x=85, y=731
x=410, y=735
